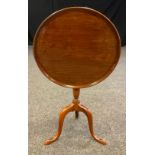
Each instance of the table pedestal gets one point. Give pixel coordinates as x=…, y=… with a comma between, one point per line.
x=77, y=107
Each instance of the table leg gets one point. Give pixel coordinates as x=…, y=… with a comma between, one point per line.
x=76, y=114
x=62, y=115
x=90, y=122
x=77, y=108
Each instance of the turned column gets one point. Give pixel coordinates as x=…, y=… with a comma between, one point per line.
x=76, y=93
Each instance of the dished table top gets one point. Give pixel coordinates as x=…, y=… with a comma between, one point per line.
x=77, y=47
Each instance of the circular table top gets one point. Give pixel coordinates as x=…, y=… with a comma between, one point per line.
x=76, y=47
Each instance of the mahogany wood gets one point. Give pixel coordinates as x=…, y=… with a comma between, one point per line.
x=76, y=47
x=76, y=114
x=75, y=106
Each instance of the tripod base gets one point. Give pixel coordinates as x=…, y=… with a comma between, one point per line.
x=77, y=107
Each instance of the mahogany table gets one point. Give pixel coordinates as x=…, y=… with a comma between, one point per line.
x=76, y=47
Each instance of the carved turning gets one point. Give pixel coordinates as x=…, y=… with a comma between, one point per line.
x=77, y=107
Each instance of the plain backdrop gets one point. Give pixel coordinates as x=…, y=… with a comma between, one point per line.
x=38, y=10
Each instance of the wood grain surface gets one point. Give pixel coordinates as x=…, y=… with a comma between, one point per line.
x=76, y=47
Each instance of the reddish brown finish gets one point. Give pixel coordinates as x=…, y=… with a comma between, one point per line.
x=77, y=47
x=75, y=106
